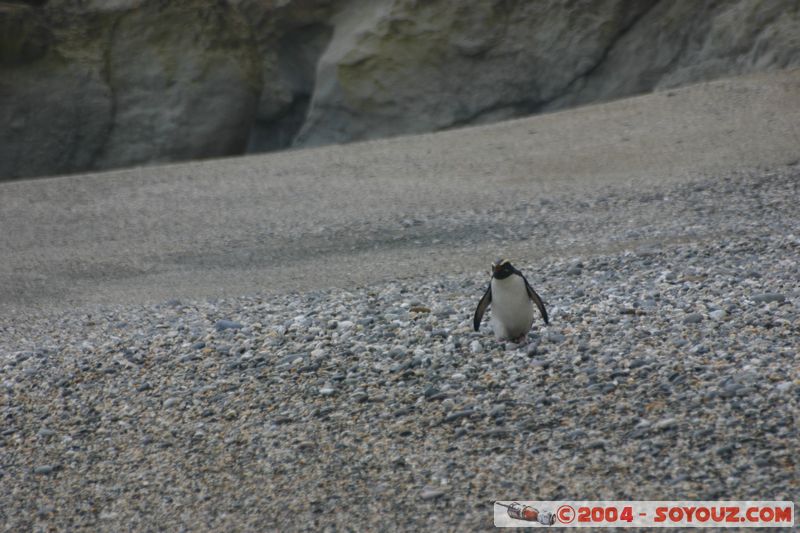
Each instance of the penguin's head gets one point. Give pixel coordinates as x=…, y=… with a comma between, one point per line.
x=501, y=269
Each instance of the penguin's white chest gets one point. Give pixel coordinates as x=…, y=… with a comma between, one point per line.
x=512, y=309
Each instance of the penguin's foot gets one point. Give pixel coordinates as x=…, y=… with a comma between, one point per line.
x=522, y=340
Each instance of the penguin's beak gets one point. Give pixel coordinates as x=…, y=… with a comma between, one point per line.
x=495, y=268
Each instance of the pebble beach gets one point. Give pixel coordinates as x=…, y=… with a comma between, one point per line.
x=670, y=370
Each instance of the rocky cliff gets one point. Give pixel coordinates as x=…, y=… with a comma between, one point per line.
x=94, y=84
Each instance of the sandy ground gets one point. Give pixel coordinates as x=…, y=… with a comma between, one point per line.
x=362, y=213
x=661, y=231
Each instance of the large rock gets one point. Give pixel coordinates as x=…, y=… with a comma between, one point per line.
x=683, y=41
x=55, y=117
x=24, y=35
x=91, y=84
x=55, y=107
x=96, y=85
x=402, y=66
x=185, y=81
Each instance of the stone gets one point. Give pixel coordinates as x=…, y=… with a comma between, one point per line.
x=222, y=325
x=429, y=493
x=359, y=397
x=33, y=104
x=458, y=415
x=401, y=58
x=672, y=44
x=152, y=82
x=665, y=424
x=129, y=103
x=44, y=469
x=769, y=297
x=718, y=314
x=497, y=411
x=693, y=318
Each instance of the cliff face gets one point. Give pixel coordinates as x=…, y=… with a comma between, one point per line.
x=93, y=85
x=90, y=84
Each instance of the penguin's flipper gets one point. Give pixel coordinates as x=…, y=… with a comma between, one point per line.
x=482, y=306
x=538, y=301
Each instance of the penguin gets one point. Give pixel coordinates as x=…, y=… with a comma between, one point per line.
x=512, y=299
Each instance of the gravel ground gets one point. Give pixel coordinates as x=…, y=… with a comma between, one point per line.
x=366, y=213
x=670, y=370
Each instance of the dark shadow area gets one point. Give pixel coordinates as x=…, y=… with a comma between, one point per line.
x=298, y=54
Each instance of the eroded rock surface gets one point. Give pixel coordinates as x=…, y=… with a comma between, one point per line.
x=95, y=85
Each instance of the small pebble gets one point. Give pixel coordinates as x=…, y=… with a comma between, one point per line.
x=769, y=297
x=718, y=314
x=383, y=392
x=693, y=318
x=222, y=325
x=429, y=493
